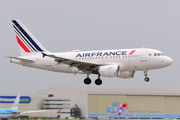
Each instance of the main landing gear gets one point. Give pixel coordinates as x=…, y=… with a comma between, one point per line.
x=98, y=81
x=146, y=79
x=87, y=80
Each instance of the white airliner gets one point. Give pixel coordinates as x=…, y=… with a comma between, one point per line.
x=9, y=113
x=121, y=63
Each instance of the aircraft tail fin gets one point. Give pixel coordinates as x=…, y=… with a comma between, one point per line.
x=27, y=42
x=16, y=103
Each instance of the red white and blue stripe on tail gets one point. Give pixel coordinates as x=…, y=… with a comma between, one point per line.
x=25, y=39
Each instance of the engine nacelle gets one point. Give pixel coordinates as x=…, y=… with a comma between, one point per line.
x=126, y=74
x=109, y=71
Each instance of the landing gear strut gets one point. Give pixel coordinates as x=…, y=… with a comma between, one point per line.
x=87, y=80
x=146, y=79
x=98, y=81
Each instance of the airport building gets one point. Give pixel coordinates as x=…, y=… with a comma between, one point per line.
x=100, y=101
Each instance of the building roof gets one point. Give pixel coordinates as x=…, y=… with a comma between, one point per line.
x=122, y=90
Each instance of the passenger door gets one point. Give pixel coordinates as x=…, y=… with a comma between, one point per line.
x=144, y=56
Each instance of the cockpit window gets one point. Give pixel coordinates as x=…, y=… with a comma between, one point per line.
x=158, y=54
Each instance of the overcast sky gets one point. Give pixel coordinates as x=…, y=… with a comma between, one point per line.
x=62, y=25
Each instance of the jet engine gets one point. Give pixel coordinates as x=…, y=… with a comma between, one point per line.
x=109, y=71
x=126, y=74
x=114, y=71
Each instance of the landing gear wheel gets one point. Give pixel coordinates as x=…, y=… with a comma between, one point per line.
x=98, y=81
x=87, y=81
x=145, y=74
x=146, y=79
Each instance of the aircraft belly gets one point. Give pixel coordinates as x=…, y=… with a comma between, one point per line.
x=62, y=68
x=137, y=66
x=65, y=69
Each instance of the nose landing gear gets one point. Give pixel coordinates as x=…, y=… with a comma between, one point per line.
x=146, y=79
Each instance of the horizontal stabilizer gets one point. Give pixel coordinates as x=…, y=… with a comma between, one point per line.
x=22, y=59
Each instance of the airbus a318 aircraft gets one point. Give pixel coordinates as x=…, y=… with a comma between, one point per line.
x=12, y=112
x=121, y=63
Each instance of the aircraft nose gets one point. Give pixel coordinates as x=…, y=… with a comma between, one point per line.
x=169, y=61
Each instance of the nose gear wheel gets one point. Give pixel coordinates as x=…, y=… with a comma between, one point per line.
x=146, y=79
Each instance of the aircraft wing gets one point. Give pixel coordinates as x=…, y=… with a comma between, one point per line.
x=80, y=64
x=25, y=112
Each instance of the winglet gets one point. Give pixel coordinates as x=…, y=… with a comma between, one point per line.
x=44, y=54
